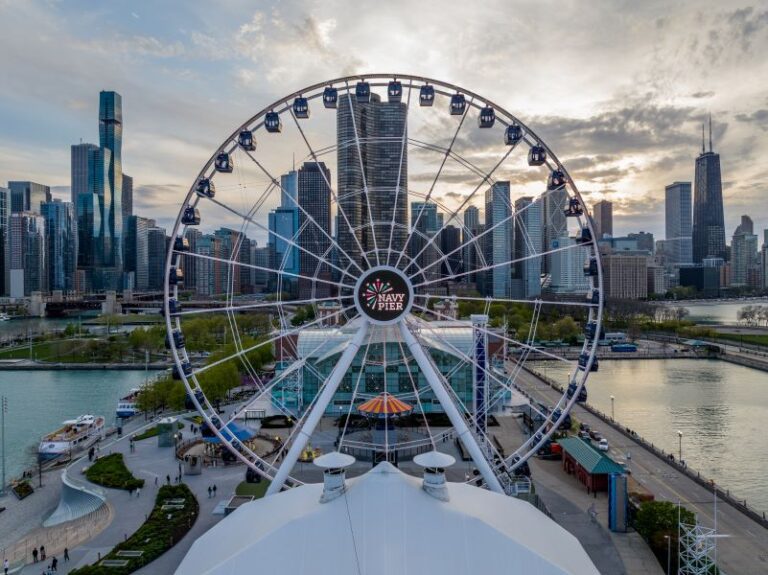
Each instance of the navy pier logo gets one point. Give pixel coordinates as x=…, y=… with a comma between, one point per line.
x=383, y=295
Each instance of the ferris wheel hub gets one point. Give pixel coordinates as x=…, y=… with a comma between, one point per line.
x=383, y=295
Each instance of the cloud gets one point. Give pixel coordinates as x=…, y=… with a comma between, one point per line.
x=703, y=94
x=758, y=118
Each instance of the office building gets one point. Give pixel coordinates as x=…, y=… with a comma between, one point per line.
x=625, y=276
x=208, y=271
x=289, y=190
x=81, y=170
x=764, y=261
x=678, y=223
x=528, y=241
x=555, y=223
x=744, y=258
x=27, y=254
x=61, y=242
x=127, y=199
x=450, y=240
x=260, y=258
x=497, y=281
x=602, y=218
x=472, y=246
x=314, y=197
x=137, y=252
x=645, y=241
x=567, y=267
x=5, y=212
x=426, y=223
x=372, y=166
x=157, y=244
x=28, y=196
x=708, y=217
x=189, y=261
x=283, y=253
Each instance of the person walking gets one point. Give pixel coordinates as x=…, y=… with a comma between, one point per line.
x=210, y=490
x=138, y=491
x=214, y=490
x=6, y=566
x=155, y=480
x=34, y=555
x=42, y=552
x=168, y=479
x=54, y=564
x=66, y=554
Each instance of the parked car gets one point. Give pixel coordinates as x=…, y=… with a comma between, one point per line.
x=596, y=435
x=584, y=435
x=602, y=445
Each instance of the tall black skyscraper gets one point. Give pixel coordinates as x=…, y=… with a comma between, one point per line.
x=314, y=196
x=378, y=127
x=708, y=217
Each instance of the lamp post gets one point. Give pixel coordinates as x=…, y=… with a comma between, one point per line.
x=612, y=399
x=680, y=441
x=669, y=553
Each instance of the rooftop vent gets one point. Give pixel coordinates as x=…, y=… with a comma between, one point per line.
x=334, y=465
x=434, y=464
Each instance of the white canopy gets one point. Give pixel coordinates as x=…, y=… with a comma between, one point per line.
x=386, y=523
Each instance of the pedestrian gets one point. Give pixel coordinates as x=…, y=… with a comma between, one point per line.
x=42, y=552
x=138, y=491
x=168, y=479
x=210, y=490
x=54, y=563
x=214, y=490
x=34, y=555
x=155, y=480
x=66, y=554
x=5, y=566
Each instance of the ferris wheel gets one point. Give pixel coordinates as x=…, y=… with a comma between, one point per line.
x=387, y=295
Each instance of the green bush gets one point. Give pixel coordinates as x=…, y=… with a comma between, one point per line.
x=110, y=471
x=656, y=520
x=152, y=432
x=158, y=533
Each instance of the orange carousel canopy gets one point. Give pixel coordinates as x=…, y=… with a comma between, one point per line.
x=384, y=404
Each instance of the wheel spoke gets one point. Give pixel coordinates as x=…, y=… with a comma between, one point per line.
x=507, y=300
x=399, y=174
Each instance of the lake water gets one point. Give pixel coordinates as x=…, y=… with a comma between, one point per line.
x=718, y=312
x=721, y=408
x=38, y=401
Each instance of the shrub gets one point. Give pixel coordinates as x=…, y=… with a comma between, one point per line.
x=110, y=471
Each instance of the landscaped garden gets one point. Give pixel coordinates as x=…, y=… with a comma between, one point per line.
x=151, y=432
x=110, y=471
x=175, y=512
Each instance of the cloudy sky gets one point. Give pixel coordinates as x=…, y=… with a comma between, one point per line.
x=617, y=88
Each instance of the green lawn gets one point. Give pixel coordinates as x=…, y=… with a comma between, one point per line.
x=753, y=338
x=152, y=432
x=110, y=471
x=79, y=350
x=256, y=490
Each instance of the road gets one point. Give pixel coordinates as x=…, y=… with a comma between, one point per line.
x=744, y=550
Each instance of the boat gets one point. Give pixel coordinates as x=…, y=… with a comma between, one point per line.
x=74, y=435
x=5, y=317
x=127, y=406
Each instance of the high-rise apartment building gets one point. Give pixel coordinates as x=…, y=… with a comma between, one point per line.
x=625, y=276
x=372, y=167
x=567, y=267
x=314, y=197
x=497, y=281
x=5, y=212
x=744, y=256
x=602, y=217
x=678, y=222
x=28, y=254
x=28, y=196
x=528, y=242
x=708, y=217
x=61, y=244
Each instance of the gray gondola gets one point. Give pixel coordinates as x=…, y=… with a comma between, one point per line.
x=584, y=237
x=301, y=107
x=513, y=134
x=205, y=188
x=181, y=245
x=273, y=123
x=574, y=209
x=458, y=104
x=427, y=95
x=537, y=155
x=555, y=180
x=395, y=91
x=174, y=307
x=223, y=163
x=246, y=141
x=487, y=117
x=175, y=276
x=178, y=340
x=590, y=267
x=191, y=217
x=363, y=92
x=186, y=367
x=330, y=97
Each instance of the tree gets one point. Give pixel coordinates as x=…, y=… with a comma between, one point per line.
x=659, y=519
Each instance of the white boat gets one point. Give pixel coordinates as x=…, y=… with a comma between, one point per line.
x=75, y=435
x=127, y=406
x=5, y=317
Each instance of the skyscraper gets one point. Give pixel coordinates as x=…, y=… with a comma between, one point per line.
x=422, y=252
x=528, y=241
x=283, y=255
x=378, y=128
x=472, y=229
x=743, y=253
x=555, y=225
x=156, y=251
x=136, y=252
x=27, y=196
x=81, y=170
x=602, y=215
x=677, y=216
x=61, y=244
x=289, y=189
x=497, y=281
x=708, y=218
x=5, y=212
x=27, y=248
x=127, y=198
x=314, y=197
x=450, y=240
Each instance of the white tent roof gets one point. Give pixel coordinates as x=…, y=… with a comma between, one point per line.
x=387, y=524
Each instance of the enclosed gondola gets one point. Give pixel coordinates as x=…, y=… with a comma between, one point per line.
x=191, y=217
x=458, y=104
x=363, y=92
x=427, y=95
x=574, y=209
x=555, y=180
x=395, y=91
x=273, y=123
x=205, y=188
x=224, y=163
x=181, y=244
x=246, y=141
x=537, y=155
x=175, y=276
x=189, y=404
x=590, y=267
x=301, y=107
x=584, y=237
x=186, y=367
x=513, y=134
x=487, y=117
x=178, y=340
x=330, y=97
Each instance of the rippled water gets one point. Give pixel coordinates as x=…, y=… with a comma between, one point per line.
x=719, y=312
x=721, y=408
x=38, y=401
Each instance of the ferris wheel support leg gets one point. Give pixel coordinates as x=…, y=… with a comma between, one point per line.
x=318, y=410
x=433, y=378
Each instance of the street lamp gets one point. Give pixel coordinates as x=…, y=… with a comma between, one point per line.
x=669, y=553
x=680, y=439
x=612, y=399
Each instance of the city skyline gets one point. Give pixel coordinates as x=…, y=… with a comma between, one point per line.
x=633, y=129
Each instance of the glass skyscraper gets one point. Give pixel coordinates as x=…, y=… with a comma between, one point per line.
x=28, y=196
x=28, y=254
x=314, y=196
x=708, y=218
x=497, y=282
x=528, y=242
x=136, y=251
x=5, y=212
x=678, y=223
x=61, y=241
